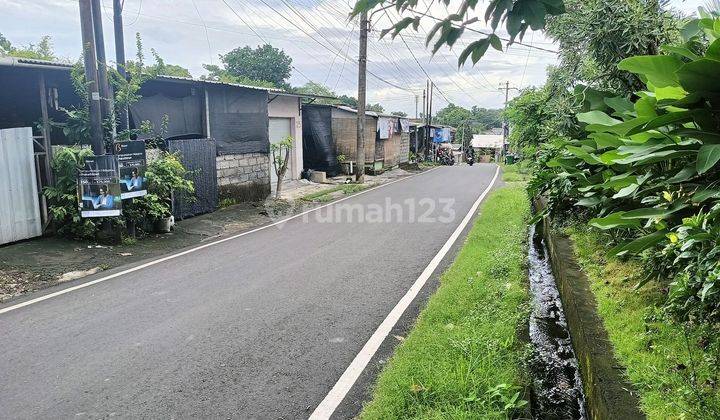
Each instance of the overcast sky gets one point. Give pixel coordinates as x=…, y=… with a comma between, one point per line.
x=322, y=42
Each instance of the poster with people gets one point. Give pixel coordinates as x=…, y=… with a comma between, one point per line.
x=98, y=187
x=131, y=164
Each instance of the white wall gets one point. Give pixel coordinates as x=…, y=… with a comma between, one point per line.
x=289, y=107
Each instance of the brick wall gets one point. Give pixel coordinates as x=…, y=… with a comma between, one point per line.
x=243, y=177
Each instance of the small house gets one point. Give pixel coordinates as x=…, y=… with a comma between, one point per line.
x=330, y=136
x=487, y=146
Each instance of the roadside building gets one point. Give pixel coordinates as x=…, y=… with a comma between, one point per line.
x=330, y=134
x=222, y=130
x=393, y=138
x=487, y=146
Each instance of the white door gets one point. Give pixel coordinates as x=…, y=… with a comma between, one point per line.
x=279, y=129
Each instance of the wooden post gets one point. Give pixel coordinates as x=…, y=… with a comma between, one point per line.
x=91, y=76
x=124, y=119
x=106, y=101
x=47, y=143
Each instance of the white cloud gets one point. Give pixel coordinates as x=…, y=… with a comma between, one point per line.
x=177, y=32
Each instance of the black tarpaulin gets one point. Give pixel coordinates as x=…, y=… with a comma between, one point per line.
x=198, y=156
x=184, y=114
x=318, y=146
x=238, y=120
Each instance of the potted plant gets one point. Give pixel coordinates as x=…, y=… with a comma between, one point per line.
x=166, y=176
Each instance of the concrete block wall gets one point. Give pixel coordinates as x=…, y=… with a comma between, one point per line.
x=243, y=177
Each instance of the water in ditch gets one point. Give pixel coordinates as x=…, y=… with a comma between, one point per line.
x=557, y=387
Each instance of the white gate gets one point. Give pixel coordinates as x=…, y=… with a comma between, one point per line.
x=19, y=207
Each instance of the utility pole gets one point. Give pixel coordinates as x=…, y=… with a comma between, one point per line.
x=91, y=76
x=430, y=101
x=362, y=93
x=416, y=106
x=418, y=143
x=106, y=96
x=506, y=129
x=120, y=55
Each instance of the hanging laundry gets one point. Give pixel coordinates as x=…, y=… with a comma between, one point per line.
x=385, y=127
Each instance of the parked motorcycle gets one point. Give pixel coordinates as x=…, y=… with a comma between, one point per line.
x=445, y=157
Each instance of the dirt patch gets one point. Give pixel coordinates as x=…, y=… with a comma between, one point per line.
x=32, y=265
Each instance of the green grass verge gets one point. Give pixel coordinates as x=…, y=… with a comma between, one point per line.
x=463, y=357
x=328, y=195
x=517, y=172
x=673, y=367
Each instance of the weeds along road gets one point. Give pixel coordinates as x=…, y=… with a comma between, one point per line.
x=260, y=326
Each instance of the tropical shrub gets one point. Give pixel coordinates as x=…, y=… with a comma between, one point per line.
x=646, y=168
x=62, y=196
x=165, y=176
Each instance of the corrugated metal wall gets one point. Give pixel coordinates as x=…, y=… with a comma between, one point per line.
x=198, y=156
x=19, y=207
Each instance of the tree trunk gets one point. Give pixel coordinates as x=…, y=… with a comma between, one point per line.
x=281, y=173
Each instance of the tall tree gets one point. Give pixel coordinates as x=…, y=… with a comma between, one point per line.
x=458, y=117
x=264, y=63
x=375, y=108
x=595, y=35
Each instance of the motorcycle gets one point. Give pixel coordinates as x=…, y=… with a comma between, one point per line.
x=445, y=157
x=470, y=160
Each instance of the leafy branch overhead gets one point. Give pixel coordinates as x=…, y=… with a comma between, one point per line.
x=516, y=16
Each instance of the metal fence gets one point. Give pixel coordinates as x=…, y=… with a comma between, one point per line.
x=19, y=206
x=198, y=156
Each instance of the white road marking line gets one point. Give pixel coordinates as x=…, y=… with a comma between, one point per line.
x=328, y=405
x=180, y=254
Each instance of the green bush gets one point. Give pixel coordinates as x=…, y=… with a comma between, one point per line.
x=62, y=197
x=165, y=176
x=646, y=168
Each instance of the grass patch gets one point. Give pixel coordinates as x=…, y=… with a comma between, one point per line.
x=517, y=172
x=463, y=357
x=329, y=194
x=673, y=366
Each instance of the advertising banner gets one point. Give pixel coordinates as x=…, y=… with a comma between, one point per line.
x=131, y=164
x=98, y=187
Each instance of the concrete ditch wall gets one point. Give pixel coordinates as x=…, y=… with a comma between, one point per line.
x=608, y=394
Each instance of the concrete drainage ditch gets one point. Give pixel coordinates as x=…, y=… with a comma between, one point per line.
x=573, y=369
x=557, y=386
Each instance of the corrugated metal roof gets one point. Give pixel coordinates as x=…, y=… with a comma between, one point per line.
x=33, y=63
x=493, y=141
x=44, y=64
x=354, y=111
x=217, y=83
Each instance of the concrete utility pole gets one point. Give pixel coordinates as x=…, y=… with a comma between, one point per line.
x=120, y=55
x=91, y=75
x=362, y=93
x=430, y=100
x=106, y=95
x=506, y=88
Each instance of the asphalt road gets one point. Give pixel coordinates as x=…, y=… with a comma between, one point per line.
x=260, y=326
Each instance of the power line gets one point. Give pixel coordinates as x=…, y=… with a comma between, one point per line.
x=260, y=36
x=418, y=62
x=207, y=37
x=326, y=47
